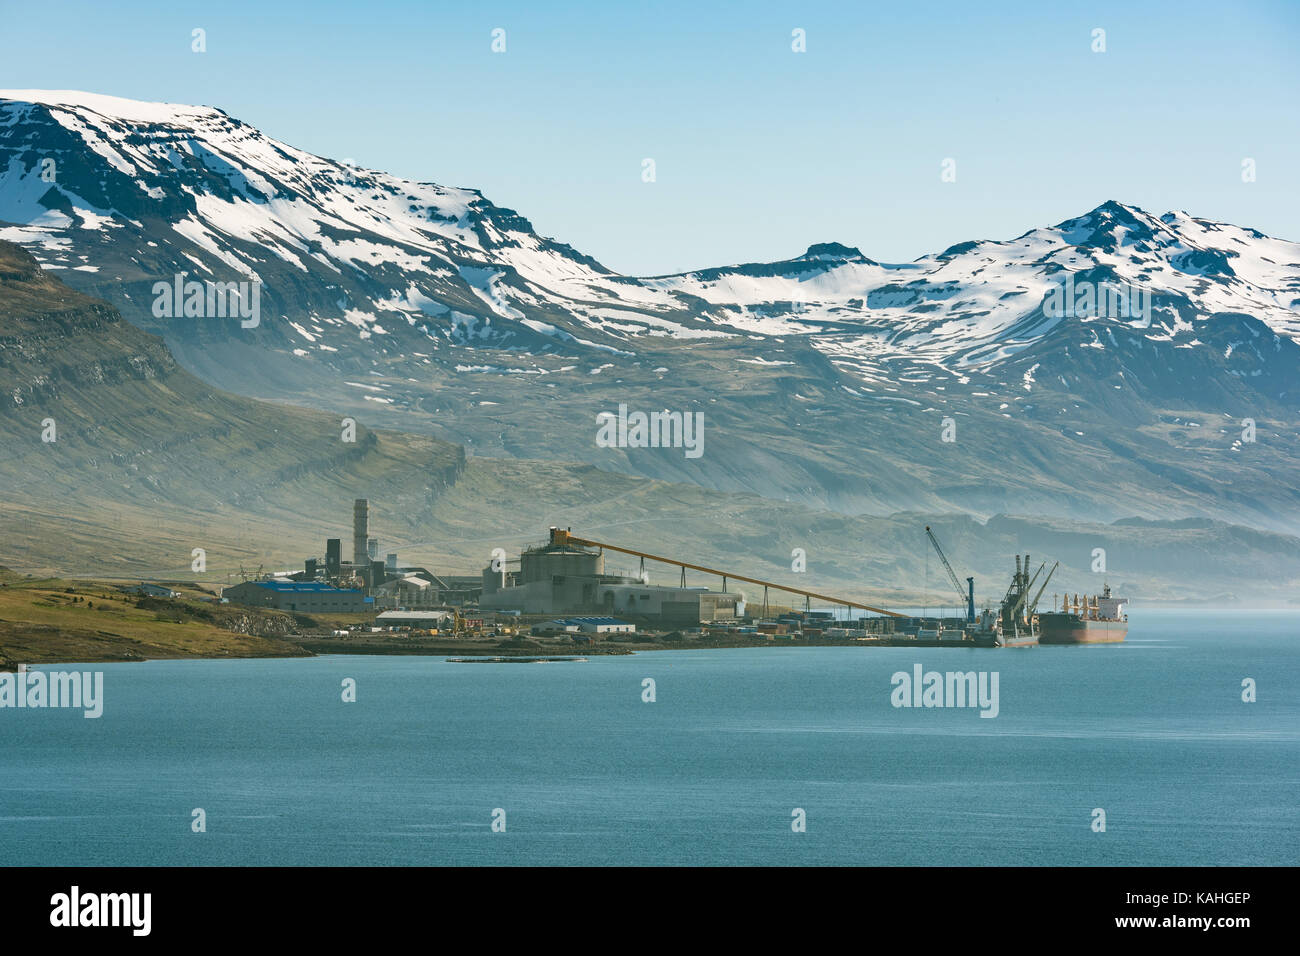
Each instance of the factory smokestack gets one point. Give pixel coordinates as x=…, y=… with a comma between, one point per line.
x=361, y=532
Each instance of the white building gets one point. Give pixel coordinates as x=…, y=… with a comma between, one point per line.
x=585, y=625
x=419, y=619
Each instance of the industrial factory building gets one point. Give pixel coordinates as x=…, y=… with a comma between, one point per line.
x=412, y=588
x=421, y=588
x=309, y=597
x=667, y=604
x=365, y=570
x=564, y=579
x=380, y=583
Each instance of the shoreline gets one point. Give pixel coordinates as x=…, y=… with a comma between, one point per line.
x=25, y=647
x=332, y=647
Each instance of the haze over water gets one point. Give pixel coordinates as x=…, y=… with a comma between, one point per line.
x=1154, y=731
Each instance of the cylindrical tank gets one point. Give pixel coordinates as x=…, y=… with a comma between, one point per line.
x=545, y=564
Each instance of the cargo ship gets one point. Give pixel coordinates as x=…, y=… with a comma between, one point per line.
x=1017, y=622
x=1103, y=621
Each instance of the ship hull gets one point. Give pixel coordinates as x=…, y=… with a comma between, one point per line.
x=1071, y=629
x=1019, y=640
x=1001, y=638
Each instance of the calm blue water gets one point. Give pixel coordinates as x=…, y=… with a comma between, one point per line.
x=1154, y=731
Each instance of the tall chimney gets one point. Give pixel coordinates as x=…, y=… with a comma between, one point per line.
x=360, y=532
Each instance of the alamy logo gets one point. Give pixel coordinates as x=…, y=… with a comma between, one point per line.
x=209, y=300
x=1101, y=300
x=37, y=689
x=657, y=430
x=73, y=909
x=953, y=689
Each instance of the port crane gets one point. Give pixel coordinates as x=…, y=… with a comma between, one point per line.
x=1018, y=593
x=967, y=595
x=1033, y=605
x=561, y=537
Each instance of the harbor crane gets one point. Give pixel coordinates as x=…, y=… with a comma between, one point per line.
x=1020, y=589
x=1033, y=605
x=966, y=596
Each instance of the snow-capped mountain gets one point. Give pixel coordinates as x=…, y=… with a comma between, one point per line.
x=825, y=377
x=200, y=192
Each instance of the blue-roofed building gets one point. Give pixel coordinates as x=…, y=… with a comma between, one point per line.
x=309, y=597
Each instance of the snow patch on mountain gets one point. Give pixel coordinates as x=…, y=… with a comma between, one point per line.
x=359, y=259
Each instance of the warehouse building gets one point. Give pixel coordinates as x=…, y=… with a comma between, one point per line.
x=585, y=625
x=309, y=597
x=675, y=606
x=419, y=619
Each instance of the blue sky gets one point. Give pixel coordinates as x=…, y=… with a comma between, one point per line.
x=759, y=151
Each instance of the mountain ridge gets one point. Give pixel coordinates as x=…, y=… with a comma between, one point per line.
x=427, y=308
x=149, y=463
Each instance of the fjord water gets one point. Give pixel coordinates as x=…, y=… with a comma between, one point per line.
x=1153, y=731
